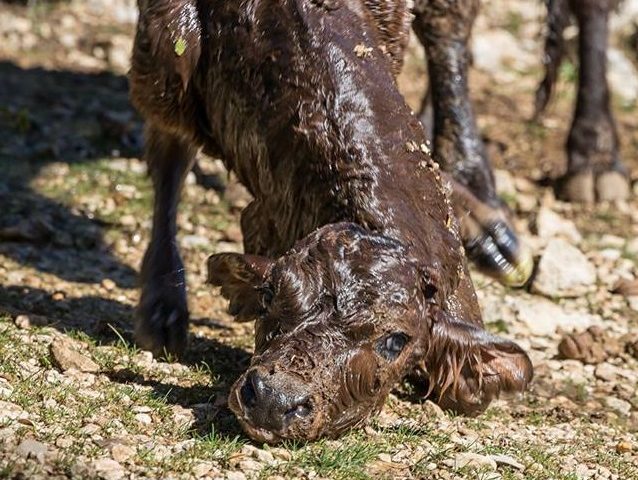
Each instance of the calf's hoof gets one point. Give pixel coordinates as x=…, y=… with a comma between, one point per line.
x=489, y=239
x=497, y=251
x=161, y=325
x=589, y=187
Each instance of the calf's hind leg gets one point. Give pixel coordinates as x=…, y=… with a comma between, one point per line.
x=162, y=314
x=444, y=28
x=594, y=169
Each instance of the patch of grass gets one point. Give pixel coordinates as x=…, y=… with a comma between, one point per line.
x=498, y=326
x=513, y=23
x=339, y=461
x=575, y=390
x=626, y=254
x=346, y=459
x=568, y=72
x=218, y=446
x=509, y=199
x=536, y=418
x=535, y=131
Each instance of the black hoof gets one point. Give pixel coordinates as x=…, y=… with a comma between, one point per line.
x=162, y=326
x=497, y=252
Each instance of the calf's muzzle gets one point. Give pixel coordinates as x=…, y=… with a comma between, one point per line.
x=272, y=400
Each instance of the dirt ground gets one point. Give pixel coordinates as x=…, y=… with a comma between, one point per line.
x=78, y=400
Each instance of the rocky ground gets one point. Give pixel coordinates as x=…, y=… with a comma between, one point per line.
x=77, y=399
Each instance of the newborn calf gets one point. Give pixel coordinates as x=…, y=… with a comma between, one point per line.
x=354, y=271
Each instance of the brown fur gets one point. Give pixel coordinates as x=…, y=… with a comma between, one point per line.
x=355, y=273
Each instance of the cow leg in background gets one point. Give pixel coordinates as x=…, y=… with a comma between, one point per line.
x=162, y=315
x=444, y=28
x=594, y=170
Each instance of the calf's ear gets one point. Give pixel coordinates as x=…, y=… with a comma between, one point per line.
x=240, y=277
x=469, y=367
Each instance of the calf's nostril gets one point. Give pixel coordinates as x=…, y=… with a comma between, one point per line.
x=254, y=389
x=248, y=396
x=299, y=410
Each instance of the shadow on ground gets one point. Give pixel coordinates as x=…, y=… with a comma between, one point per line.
x=51, y=119
x=59, y=116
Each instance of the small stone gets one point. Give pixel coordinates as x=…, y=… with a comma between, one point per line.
x=632, y=246
x=250, y=465
x=431, y=409
x=248, y=450
x=108, y=469
x=281, y=454
x=582, y=471
x=235, y=476
x=195, y=241
x=23, y=322
x=606, y=371
x=491, y=476
x=30, y=448
x=563, y=271
x=182, y=416
x=202, y=469
x=526, y=202
x=90, y=429
x=622, y=75
x=264, y=456
x=473, y=460
x=543, y=317
x=499, y=61
x=108, y=284
x=142, y=409
x=624, y=447
x=144, y=418
x=612, y=241
x=504, y=182
x=385, y=457
x=549, y=224
x=508, y=461
x=64, y=442
x=144, y=358
x=621, y=407
x=610, y=254
x=65, y=357
x=592, y=346
x=121, y=453
x=233, y=234
x=128, y=221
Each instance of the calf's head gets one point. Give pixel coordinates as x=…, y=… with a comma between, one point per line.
x=340, y=319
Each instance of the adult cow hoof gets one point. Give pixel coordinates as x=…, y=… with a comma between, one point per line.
x=497, y=251
x=589, y=187
x=161, y=325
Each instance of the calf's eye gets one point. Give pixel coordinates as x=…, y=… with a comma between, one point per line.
x=391, y=346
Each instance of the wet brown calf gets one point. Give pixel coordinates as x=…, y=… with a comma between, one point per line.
x=354, y=271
